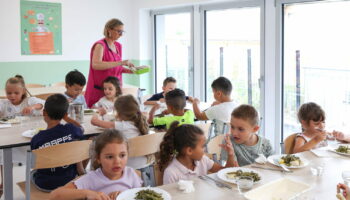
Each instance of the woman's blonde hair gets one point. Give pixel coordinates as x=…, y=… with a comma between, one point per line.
x=111, y=24
x=129, y=110
x=107, y=137
x=18, y=79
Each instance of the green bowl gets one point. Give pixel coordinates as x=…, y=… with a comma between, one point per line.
x=142, y=71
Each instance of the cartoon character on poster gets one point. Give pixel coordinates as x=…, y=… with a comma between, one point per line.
x=41, y=23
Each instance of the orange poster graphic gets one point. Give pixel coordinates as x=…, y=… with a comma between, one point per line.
x=41, y=43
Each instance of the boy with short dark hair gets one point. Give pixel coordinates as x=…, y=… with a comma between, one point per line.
x=75, y=82
x=247, y=144
x=55, y=110
x=169, y=84
x=223, y=106
x=175, y=101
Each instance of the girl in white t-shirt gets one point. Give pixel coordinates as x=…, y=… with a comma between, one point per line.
x=17, y=102
x=129, y=121
x=182, y=154
x=111, y=90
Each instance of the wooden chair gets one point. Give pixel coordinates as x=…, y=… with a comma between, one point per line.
x=213, y=148
x=51, y=157
x=58, y=84
x=205, y=128
x=44, y=96
x=146, y=145
x=34, y=85
x=289, y=143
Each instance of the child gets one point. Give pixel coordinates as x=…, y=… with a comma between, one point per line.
x=130, y=122
x=222, y=108
x=175, y=101
x=169, y=84
x=17, y=102
x=110, y=175
x=246, y=143
x=111, y=90
x=312, y=119
x=182, y=154
x=55, y=110
x=75, y=82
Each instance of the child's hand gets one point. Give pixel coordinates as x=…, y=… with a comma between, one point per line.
x=113, y=195
x=227, y=146
x=156, y=106
x=161, y=100
x=94, y=120
x=102, y=111
x=338, y=135
x=343, y=189
x=320, y=136
x=27, y=110
x=92, y=195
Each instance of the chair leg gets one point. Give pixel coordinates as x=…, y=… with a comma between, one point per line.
x=28, y=166
x=148, y=176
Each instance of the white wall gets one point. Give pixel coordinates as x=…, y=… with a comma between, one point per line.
x=82, y=24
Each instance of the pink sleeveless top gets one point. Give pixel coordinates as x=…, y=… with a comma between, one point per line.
x=94, y=87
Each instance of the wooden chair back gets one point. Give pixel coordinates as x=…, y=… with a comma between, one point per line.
x=44, y=96
x=205, y=128
x=58, y=84
x=34, y=85
x=145, y=144
x=61, y=155
x=213, y=148
x=134, y=91
x=289, y=143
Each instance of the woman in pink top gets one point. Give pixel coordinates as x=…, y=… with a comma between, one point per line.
x=106, y=60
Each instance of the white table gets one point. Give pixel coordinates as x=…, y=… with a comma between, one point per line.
x=12, y=137
x=322, y=187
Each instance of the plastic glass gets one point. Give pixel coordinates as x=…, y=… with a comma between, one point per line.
x=244, y=184
x=317, y=169
x=346, y=177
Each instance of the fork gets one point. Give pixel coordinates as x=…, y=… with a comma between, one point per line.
x=217, y=183
x=282, y=166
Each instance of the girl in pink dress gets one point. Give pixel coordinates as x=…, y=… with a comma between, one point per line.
x=106, y=60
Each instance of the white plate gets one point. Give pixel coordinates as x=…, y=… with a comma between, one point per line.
x=333, y=148
x=15, y=120
x=131, y=194
x=274, y=160
x=282, y=189
x=30, y=133
x=222, y=173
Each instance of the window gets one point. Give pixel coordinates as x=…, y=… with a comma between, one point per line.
x=233, y=51
x=316, y=64
x=174, y=50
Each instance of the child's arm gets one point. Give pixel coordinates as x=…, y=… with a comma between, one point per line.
x=113, y=195
x=301, y=146
x=70, y=192
x=29, y=109
x=151, y=113
x=231, y=162
x=71, y=121
x=104, y=124
x=341, y=136
x=80, y=168
x=197, y=112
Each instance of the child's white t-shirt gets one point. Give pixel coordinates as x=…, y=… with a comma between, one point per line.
x=129, y=130
x=221, y=113
x=105, y=103
x=7, y=109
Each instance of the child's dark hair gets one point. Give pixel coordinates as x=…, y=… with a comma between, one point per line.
x=129, y=110
x=176, y=138
x=75, y=77
x=176, y=99
x=169, y=80
x=246, y=112
x=56, y=106
x=107, y=137
x=311, y=111
x=18, y=79
x=114, y=81
x=222, y=84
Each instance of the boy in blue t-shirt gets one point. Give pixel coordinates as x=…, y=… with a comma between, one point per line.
x=55, y=110
x=75, y=82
